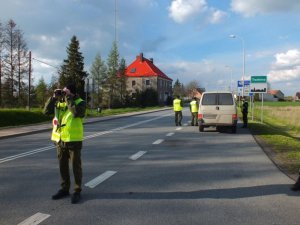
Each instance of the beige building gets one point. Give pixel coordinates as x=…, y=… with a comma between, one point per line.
x=142, y=74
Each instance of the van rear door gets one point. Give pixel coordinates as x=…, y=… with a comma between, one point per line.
x=225, y=108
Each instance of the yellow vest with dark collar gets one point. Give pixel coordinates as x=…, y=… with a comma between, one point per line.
x=71, y=127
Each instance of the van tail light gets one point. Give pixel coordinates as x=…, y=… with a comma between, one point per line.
x=234, y=116
x=200, y=116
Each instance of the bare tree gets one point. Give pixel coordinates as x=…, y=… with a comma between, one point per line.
x=22, y=62
x=1, y=53
x=191, y=88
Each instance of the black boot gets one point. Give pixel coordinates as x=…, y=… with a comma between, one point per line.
x=296, y=186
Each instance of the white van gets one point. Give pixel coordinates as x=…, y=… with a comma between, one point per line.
x=217, y=109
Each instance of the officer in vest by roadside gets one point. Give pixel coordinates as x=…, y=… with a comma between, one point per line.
x=177, y=107
x=194, y=111
x=245, y=112
x=69, y=110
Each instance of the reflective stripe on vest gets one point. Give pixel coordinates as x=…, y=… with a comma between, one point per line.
x=176, y=105
x=59, y=109
x=72, y=127
x=194, y=106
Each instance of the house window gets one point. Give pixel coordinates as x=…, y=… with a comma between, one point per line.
x=133, y=83
x=147, y=82
x=133, y=70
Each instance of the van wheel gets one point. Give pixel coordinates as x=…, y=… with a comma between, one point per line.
x=233, y=129
x=201, y=128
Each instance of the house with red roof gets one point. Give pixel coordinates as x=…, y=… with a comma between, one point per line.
x=142, y=74
x=273, y=96
x=297, y=97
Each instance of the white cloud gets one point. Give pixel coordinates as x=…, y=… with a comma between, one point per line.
x=286, y=67
x=182, y=10
x=217, y=16
x=253, y=7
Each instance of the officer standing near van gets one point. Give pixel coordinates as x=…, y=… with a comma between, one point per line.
x=67, y=134
x=177, y=107
x=194, y=111
x=245, y=112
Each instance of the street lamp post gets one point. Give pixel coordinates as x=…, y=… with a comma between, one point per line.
x=230, y=84
x=244, y=63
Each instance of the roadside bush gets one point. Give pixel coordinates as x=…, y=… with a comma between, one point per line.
x=14, y=117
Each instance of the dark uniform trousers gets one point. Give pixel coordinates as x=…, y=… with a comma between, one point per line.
x=70, y=151
x=178, y=117
x=245, y=119
x=194, y=119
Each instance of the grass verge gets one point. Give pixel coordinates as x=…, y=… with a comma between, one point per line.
x=279, y=139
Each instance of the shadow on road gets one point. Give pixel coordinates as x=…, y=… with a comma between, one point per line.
x=230, y=193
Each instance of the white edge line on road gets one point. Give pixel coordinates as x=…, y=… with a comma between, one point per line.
x=35, y=219
x=158, y=141
x=26, y=154
x=137, y=155
x=170, y=134
x=179, y=128
x=98, y=180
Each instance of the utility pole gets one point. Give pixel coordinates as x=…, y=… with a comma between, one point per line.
x=116, y=21
x=29, y=80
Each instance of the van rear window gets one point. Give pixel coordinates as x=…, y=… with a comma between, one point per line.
x=209, y=99
x=217, y=99
x=225, y=99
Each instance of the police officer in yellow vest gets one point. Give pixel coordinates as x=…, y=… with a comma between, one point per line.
x=177, y=107
x=68, y=109
x=194, y=111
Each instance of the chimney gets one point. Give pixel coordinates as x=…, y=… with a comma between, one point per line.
x=151, y=60
x=141, y=57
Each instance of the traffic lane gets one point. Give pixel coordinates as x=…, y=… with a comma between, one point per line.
x=30, y=181
x=213, y=181
x=17, y=145
x=29, y=144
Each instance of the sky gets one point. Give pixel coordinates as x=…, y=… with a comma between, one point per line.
x=189, y=40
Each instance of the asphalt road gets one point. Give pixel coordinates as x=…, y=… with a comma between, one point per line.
x=144, y=170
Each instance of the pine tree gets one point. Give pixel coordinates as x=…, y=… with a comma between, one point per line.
x=72, y=70
x=113, y=66
x=40, y=91
x=99, y=76
x=122, y=81
x=178, y=89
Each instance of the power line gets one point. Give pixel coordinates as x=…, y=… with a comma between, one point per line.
x=46, y=63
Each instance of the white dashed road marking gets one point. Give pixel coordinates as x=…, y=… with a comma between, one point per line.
x=137, y=155
x=35, y=219
x=158, y=141
x=98, y=180
x=179, y=128
x=170, y=134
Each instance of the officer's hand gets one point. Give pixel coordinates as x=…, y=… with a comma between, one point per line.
x=67, y=92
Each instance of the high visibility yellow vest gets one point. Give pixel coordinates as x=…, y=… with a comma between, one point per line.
x=71, y=127
x=194, y=107
x=177, y=105
x=59, y=110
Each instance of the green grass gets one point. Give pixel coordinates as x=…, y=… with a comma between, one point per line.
x=278, y=134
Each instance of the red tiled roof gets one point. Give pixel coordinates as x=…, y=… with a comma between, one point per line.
x=143, y=67
x=273, y=92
